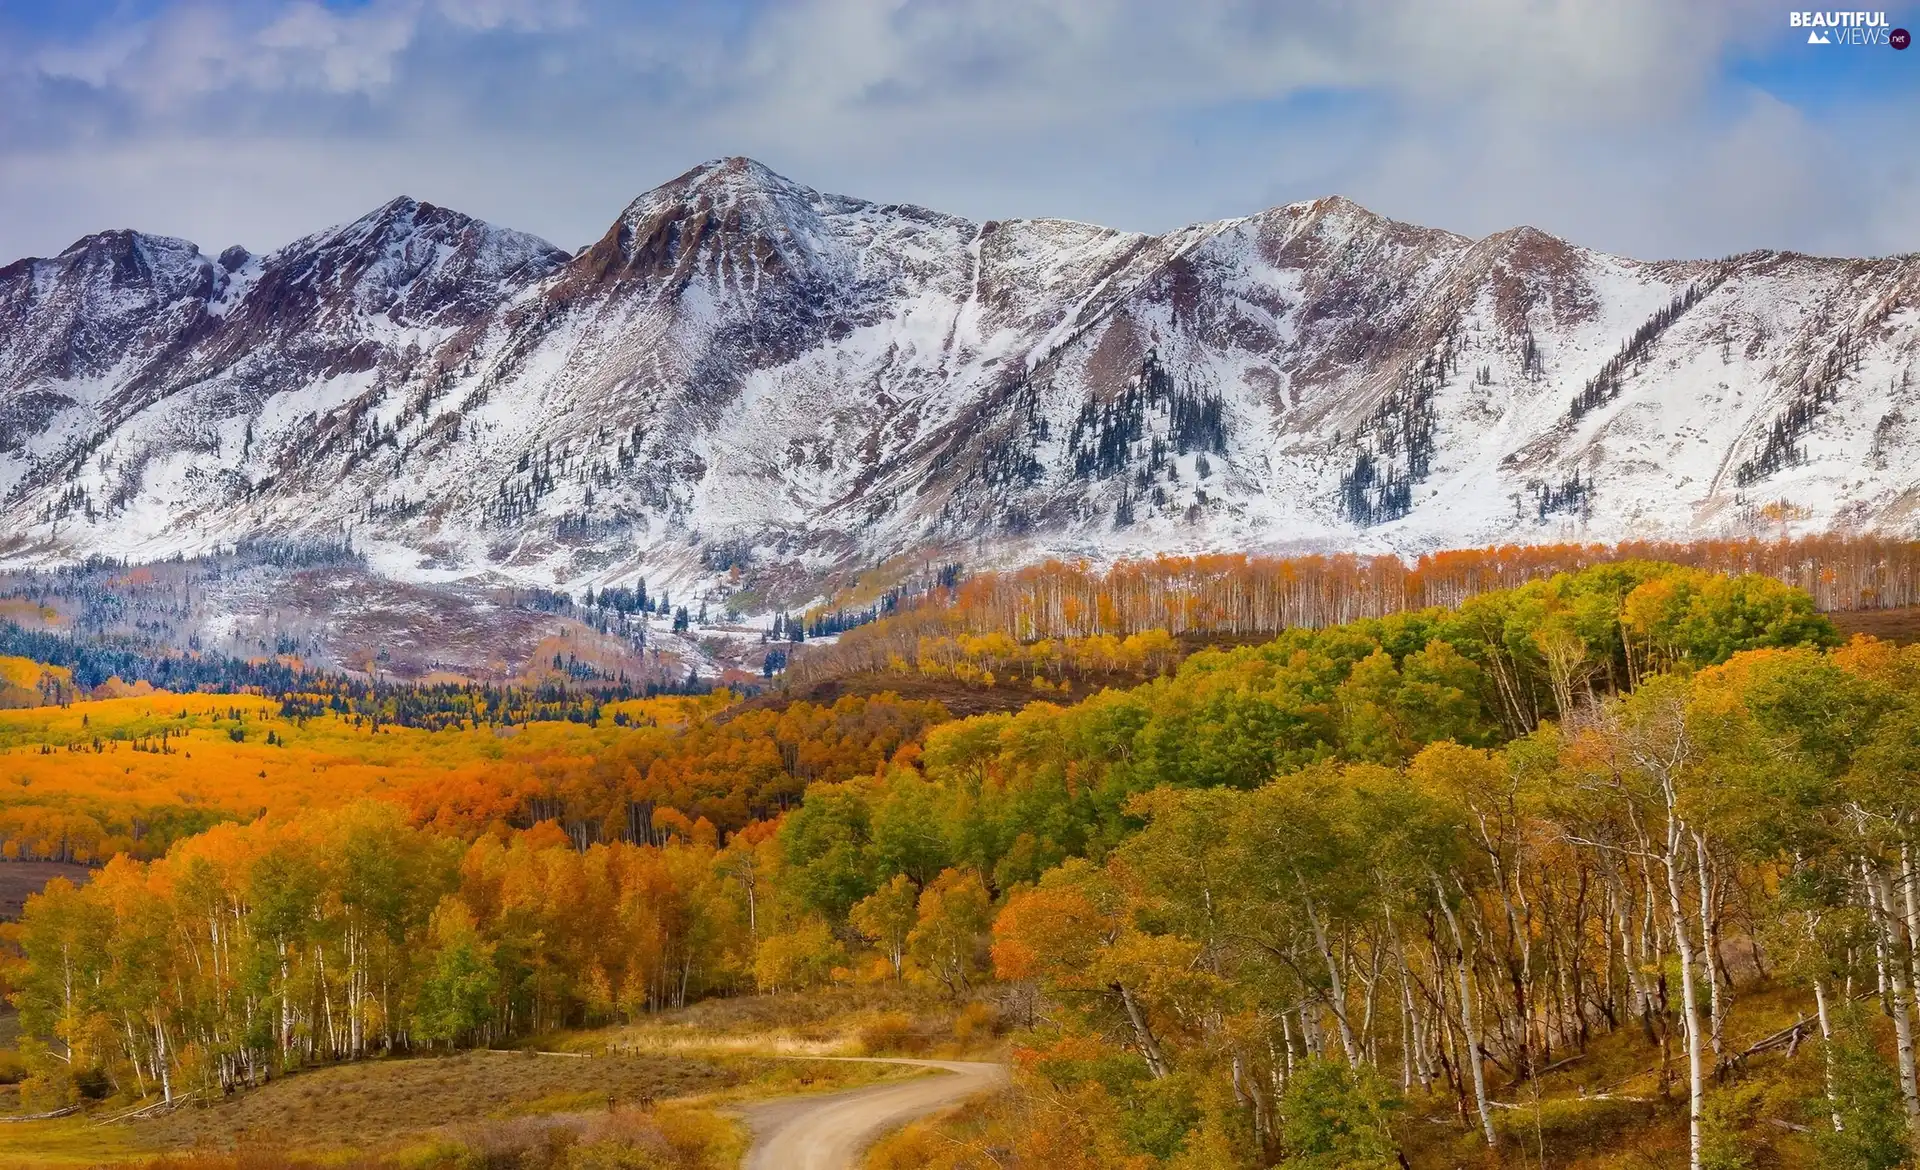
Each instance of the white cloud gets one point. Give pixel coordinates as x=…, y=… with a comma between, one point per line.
x=1613, y=123
x=1614, y=61
x=522, y=15
x=197, y=47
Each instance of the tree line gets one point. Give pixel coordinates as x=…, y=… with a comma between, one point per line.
x=1241, y=596
x=83, y=665
x=252, y=950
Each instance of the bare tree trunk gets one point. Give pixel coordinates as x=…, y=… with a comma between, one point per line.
x=1894, y=966
x=1683, y=942
x=133, y=1048
x=1826, y=1048
x=1338, y=989
x=1709, y=953
x=1467, y=1021
x=286, y=1008
x=1907, y=879
x=1630, y=963
x=1143, y=1033
x=1413, y=1045
x=161, y=1060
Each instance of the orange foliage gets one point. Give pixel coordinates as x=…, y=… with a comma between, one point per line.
x=652, y=785
x=82, y=782
x=1235, y=594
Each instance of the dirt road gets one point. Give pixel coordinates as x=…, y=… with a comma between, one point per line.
x=830, y=1132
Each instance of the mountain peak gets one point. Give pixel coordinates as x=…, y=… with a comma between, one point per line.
x=398, y=207
x=1337, y=222
x=125, y=240
x=1336, y=209
x=740, y=173
x=403, y=217
x=1528, y=249
x=733, y=208
x=403, y=214
x=737, y=187
x=412, y=258
x=131, y=262
x=1525, y=238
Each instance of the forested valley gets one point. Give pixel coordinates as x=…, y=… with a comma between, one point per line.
x=1609, y=867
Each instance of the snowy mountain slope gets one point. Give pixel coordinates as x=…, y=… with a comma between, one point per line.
x=747, y=383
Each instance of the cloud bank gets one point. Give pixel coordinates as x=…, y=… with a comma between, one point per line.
x=1636, y=126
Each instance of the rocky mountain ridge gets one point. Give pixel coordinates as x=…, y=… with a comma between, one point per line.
x=749, y=385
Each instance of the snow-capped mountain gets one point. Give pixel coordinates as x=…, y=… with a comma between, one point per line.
x=750, y=382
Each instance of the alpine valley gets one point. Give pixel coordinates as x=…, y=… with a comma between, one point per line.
x=747, y=384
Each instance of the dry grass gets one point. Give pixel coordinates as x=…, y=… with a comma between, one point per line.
x=21, y=878
x=972, y=1134
x=871, y=1020
x=68, y=1141
x=676, y=1137
x=672, y=1137
x=673, y=1071
x=1899, y=626
x=378, y=1103
x=387, y=1108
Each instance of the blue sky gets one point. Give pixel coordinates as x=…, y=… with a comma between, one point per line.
x=1647, y=127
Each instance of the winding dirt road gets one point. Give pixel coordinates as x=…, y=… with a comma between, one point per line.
x=830, y=1132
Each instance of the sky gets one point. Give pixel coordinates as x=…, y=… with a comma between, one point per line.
x=1650, y=128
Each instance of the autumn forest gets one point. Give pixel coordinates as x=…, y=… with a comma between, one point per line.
x=1563, y=856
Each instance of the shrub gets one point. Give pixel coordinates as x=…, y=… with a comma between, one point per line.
x=1868, y=1096
x=1335, y=1118
x=894, y=1032
x=976, y=1021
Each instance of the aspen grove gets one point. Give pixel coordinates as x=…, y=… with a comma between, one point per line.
x=1358, y=893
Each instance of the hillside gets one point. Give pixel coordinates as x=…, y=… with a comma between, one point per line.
x=1602, y=864
x=747, y=387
